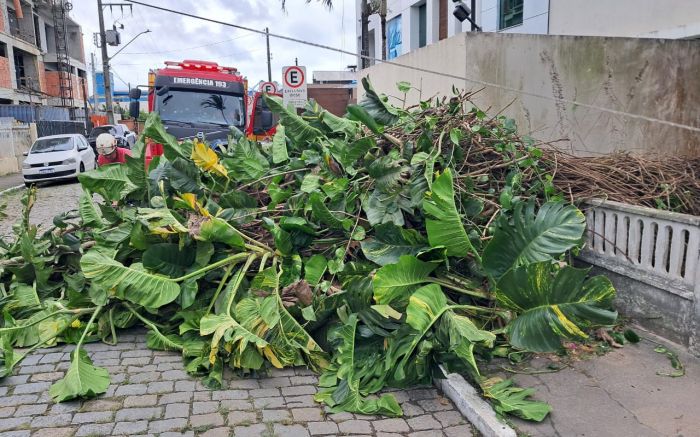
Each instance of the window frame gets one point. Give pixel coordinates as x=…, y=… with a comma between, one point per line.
x=512, y=13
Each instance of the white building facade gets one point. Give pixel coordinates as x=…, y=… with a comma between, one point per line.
x=412, y=24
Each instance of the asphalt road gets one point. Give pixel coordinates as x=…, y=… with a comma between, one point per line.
x=52, y=199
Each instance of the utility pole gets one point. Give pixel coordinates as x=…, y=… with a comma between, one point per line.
x=269, y=66
x=105, y=65
x=296, y=61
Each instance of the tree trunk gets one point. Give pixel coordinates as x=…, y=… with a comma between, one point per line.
x=382, y=17
x=364, y=35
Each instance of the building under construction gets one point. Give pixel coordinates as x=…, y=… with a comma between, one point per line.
x=42, y=60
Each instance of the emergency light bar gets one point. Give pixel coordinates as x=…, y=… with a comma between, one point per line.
x=201, y=66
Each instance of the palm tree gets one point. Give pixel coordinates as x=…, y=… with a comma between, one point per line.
x=367, y=8
x=217, y=102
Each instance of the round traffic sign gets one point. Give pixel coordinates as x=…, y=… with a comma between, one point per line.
x=268, y=87
x=294, y=77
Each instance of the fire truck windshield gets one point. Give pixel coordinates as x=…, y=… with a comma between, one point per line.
x=201, y=107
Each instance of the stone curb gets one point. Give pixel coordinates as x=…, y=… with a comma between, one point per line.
x=11, y=190
x=472, y=406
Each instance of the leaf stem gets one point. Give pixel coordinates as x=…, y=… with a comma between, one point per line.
x=220, y=287
x=149, y=324
x=87, y=327
x=451, y=286
x=237, y=282
x=63, y=311
x=216, y=265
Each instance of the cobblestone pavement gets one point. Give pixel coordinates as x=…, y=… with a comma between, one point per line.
x=151, y=394
x=52, y=199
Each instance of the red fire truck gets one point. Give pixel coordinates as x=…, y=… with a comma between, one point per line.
x=202, y=99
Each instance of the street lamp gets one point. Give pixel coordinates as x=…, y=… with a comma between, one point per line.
x=130, y=41
x=463, y=12
x=105, y=67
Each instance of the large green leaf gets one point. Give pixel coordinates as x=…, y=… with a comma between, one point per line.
x=390, y=242
x=89, y=213
x=445, y=227
x=377, y=106
x=389, y=173
x=351, y=374
x=295, y=127
x=132, y=284
x=556, y=228
x=246, y=163
x=339, y=124
x=513, y=400
x=359, y=113
x=160, y=221
x=279, y=146
x=168, y=259
x=395, y=282
x=183, y=176
x=110, y=181
x=217, y=230
x=82, y=380
x=553, y=305
x=172, y=150
x=324, y=215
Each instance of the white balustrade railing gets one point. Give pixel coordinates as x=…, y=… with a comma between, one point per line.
x=657, y=247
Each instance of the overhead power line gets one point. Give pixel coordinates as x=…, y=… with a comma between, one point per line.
x=160, y=52
x=426, y=70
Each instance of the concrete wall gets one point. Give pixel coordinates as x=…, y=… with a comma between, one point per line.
x=633, y=18
x=650, y=77
x=14, y=141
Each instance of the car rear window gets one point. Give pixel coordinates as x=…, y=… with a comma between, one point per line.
x=47, y=145
x=101, y=130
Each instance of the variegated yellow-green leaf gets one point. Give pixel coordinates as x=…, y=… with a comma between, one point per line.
x=554, y=305
x=207, y=159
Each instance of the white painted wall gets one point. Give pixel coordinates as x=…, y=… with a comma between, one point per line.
x=627, y=18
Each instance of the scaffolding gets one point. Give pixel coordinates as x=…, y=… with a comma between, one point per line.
x=65, y=80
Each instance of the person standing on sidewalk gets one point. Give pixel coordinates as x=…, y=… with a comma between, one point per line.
x=108, y=151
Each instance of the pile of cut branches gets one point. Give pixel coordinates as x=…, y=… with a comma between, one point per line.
x=371, y=248
x=488, y=146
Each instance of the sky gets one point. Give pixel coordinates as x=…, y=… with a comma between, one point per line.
x=174, y=37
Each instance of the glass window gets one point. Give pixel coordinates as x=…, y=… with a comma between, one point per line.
x=393, y=39
x=47, y=145
x=422, y=25
x=510, y=13
x=201, y=107
x=101, y=130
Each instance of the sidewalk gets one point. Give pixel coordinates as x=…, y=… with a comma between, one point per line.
x=618, y=394
x=10, y=180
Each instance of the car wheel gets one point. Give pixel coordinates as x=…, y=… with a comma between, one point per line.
x=82, y=168
x=27, y=184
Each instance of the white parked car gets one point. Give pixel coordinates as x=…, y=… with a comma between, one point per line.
x=57, y=157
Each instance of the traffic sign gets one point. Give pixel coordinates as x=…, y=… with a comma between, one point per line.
x=268, y=87
x=294, y=85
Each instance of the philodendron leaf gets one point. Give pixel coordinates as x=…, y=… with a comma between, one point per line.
x=340, y=387
x=207, y=159
x=390, y=242
x=444, y=227
x=295, y=127
x=513, y=400
x=553, y=305
x=279, y=146
x=324, y=215
x=377, y=106
x=82, y=380
x=155, y=130
x=89, y=213
x=130, y=283
x=556, y=228
x=111, y=181
x=395, y=282
x=168, y=259
x=217, y=230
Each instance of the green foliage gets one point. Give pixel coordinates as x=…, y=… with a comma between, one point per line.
x=351, y=245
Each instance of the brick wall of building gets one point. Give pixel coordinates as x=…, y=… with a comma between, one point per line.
x=5, y=74
x=53, y=88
